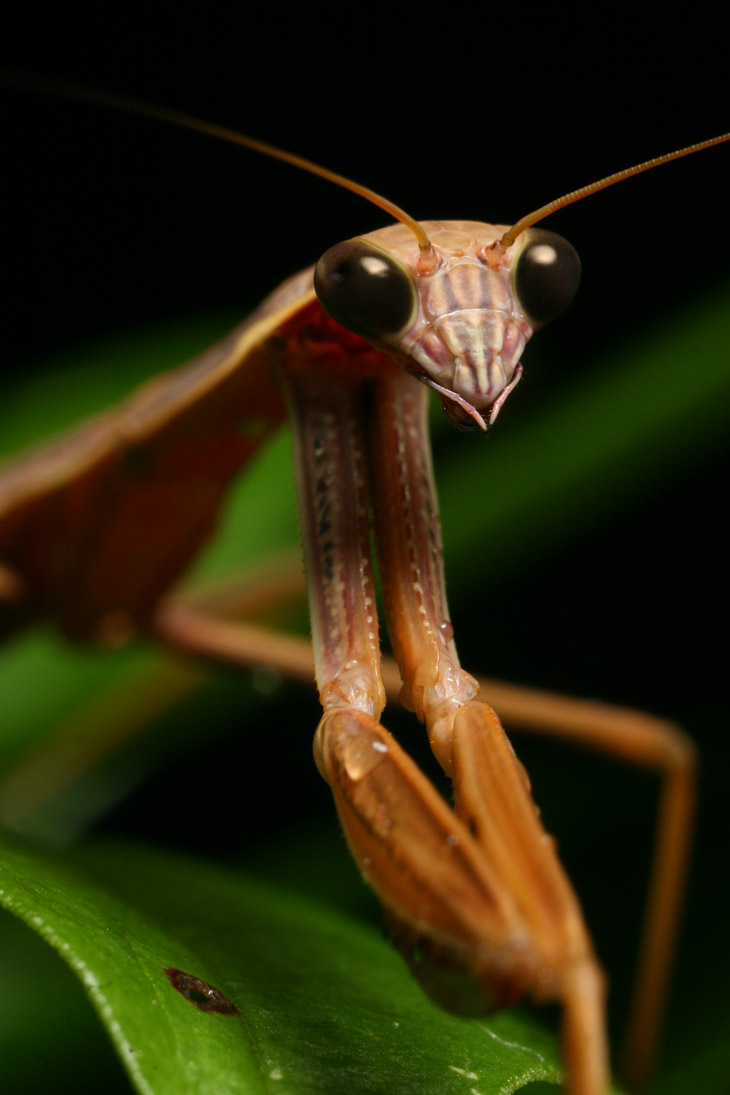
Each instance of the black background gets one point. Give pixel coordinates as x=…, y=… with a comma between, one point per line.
x=110, y=221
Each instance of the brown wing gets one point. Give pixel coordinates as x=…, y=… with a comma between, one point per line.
x=107, y=518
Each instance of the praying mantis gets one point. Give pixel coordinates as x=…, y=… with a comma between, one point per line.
x=475, y=897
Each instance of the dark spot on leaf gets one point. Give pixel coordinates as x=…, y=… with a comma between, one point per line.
x=205, y=997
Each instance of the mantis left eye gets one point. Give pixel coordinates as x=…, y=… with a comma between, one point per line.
x=367, y=290
x=545, y=276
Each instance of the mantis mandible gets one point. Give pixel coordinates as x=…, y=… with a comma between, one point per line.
x=350, y=349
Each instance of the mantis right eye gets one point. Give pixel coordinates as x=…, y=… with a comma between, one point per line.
x=365, y=289
x=546, y=275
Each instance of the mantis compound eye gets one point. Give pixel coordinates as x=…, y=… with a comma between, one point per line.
x=545, y=276
x=366, y=290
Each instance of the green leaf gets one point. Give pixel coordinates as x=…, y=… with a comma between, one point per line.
x=323, y=1005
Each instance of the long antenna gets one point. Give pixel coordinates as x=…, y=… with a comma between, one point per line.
x=128, y=105
x=585, y=191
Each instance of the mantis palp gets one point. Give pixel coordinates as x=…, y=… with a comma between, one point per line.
x=476, y=892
